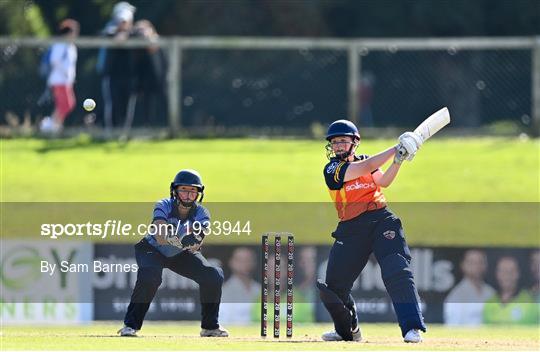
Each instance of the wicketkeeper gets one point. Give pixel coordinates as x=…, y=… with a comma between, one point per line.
x=366, y=226
x=177, y=247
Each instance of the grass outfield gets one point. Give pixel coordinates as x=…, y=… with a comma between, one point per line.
x=493, y=170
x=445, y=170
x=184, y=336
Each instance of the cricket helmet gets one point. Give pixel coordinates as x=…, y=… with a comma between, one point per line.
x=187, y=177
x=342, y=128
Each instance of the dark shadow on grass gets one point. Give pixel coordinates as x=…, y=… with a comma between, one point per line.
x=80, y=143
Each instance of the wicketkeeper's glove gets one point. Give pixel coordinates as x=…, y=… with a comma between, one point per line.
x=173, y=240
x=191, y=240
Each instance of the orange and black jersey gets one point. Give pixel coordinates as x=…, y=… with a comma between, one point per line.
x=353, y=197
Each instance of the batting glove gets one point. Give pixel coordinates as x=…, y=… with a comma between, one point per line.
x=401, y=154
x=411, y=142
x=418, y=140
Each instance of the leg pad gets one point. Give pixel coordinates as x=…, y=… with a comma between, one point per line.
x=341, y=315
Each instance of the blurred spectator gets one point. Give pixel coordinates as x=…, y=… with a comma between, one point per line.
x=149, y=78
x=465, y=303
x=510, y=305
x=367, y=82
x=240, y=290
x=535, y=275
x=308, y=267
x=61, y=62
x=304, y=291
x=116, y=66
x=454, y=78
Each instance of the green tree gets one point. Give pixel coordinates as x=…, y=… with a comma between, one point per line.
x=19, y=18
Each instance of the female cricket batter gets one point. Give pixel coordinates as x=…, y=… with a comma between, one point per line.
x=177, y=253
x=366, y=225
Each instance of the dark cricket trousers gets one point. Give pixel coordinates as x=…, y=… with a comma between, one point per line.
x=379, y=232
x=191, y=265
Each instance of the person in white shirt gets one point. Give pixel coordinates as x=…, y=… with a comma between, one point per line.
x=63, y=62
x=464, y=304
x=240, y=291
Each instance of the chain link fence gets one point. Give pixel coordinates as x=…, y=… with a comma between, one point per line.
x=293, y=86
x=479, y=86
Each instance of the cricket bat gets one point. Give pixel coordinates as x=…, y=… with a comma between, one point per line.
x=433, y=124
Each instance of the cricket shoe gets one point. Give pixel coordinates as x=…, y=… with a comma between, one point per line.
x=413, y=336
x=49, y=126
x=127, y=331
x=219, y=332
x=334, y=336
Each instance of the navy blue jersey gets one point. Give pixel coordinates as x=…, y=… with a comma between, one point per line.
x=334, y=171
x=167, y=211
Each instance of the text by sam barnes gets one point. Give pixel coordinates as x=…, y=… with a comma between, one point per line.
x=96, y=266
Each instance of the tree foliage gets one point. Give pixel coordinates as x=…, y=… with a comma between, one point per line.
x=308, y=18
x=20, y=18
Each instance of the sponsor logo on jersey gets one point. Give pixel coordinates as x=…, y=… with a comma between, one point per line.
x=389, y=234
x=357, y=185
x=332, y=167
